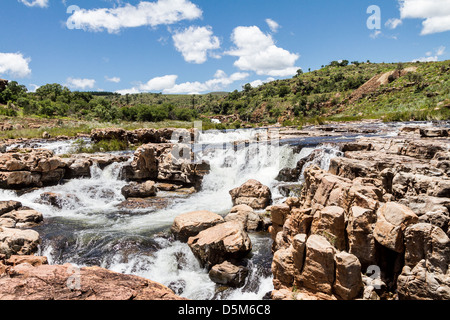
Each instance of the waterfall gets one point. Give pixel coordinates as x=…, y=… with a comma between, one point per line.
x=89, y=229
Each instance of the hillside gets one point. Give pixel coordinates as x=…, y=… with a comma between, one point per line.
x=337, y=92
x=390, y=91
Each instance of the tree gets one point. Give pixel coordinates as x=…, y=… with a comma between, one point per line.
x=247, y=87
x=12, y=92
x=51, y=91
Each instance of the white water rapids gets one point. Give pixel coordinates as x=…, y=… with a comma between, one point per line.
x=90, y=230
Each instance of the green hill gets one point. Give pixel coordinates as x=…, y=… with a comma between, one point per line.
x=339, y=91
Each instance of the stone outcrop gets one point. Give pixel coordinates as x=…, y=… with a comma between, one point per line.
x=66, y=282
x=375, y=226
x=252, y=193
x=28, y=167
x=146, y=135
x=167, y=163
x=14, y=215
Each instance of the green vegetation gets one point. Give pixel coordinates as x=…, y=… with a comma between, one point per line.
x=309, y=97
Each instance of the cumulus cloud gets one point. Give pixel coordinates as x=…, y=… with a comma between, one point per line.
x=15, y=65
x=167, y=84
x=429, y=57
x=434, y=13
x=220, y=81
x=273, y=25
x=35, y=3
x=159, y=83
x=259, y=82
x=78, y=83
x=161, y=12
x=195, y=42
x=112, y=79
x=256, y=51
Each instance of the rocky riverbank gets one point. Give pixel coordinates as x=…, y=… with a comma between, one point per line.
x=376, y=226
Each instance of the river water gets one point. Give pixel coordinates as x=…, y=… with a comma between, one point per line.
x=89, y=229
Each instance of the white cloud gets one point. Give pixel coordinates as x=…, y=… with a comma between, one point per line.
x=15, y=65
x=220, y=81
x=273, y=25
x=113, y=79
x=161, y=12
x=83, y=84
x=159, y=83
x=35, y=3
x=260, y=82
x=256, y=51
x=167, y=84
x=393, y=23
x=434, y=13
x=195, y=42
x=429, y=55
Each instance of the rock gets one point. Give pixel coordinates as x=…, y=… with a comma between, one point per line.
x=32, y=260
x=298, y=253
x=139, y=190
x=361, y=242
x=425, y=241
x=163, y=162
x=225, y=241
x=190, y=224
x=7, y=206
x=392, y=220
x=28, y=167
x=7, y=223
x=24, y=218
x=58, y=200
x=46, y=135
x=66, y=282
x=108, y=134
x=132, y=205
x=18, y=242
x=77, y=168
x=245, y=215
x=348, y=283
x=330, y=222
x=228, y=274
x=319, y=267
x=283, y=268
x=252, y=193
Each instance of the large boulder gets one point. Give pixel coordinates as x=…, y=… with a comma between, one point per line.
x=139, y=190
x=392, y=220
x=228, y=274
x=252, y=193
x=66, y=282
x=250, y=220
x=190, y=224
x=225, y=241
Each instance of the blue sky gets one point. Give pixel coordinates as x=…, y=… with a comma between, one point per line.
x=199, y=46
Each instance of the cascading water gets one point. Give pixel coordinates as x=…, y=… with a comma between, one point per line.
x=88, y=228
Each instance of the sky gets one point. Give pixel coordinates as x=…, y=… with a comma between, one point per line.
x=201, y=46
